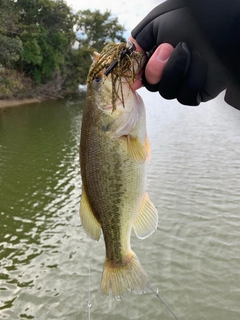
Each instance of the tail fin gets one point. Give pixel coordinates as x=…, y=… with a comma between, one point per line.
x=129, y=277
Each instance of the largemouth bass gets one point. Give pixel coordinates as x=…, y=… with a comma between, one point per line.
x=114, y=149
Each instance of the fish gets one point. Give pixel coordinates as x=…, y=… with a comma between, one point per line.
x=114, y=151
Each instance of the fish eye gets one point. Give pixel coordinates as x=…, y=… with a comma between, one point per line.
x=97, y=79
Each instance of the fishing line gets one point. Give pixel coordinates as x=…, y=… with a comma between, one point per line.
x=164, y=303
x=89, y=288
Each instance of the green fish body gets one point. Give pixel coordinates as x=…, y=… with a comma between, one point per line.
x=114, y=150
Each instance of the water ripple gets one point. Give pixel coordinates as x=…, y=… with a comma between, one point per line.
x=193, y=179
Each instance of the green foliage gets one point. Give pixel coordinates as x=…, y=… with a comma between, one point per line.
x=80, y=62
x=10, y=49
x=38, y=41
x=94, y=31
x=31, y=50
x=47, y=37
x=11, y=44
x=14, y=84
x=9, y=23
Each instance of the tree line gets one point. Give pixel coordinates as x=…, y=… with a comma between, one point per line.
x=46, y=48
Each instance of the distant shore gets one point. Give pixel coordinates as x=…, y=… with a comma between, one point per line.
x=7, y=103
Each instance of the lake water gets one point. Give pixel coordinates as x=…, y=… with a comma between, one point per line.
x=193, y=258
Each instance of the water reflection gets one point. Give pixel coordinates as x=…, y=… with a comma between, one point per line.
x=194, y=178
x=193, y=257
x=40, y=190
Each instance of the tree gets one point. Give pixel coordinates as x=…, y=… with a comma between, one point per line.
x=11, y=44
x=38, y=46
x=94, y=31
x=47, y=37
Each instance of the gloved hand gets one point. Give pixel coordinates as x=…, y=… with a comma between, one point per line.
x=194, y=72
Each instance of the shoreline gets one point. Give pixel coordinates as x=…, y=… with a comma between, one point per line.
x=8, y=103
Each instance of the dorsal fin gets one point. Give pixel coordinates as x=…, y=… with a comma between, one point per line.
x=96, y=56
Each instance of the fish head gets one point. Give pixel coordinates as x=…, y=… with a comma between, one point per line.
x=111, y=99
x=112, y=96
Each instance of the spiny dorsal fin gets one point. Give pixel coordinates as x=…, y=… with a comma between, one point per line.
x=136, y=150
x=147, y=219
x=90, y=224
x=96, y=56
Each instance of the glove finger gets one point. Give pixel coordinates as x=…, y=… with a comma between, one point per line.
x=190, y=90
x=174, y=72
x=183, y=77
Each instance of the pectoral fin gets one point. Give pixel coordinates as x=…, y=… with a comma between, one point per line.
x=148, y=149
x=90, y=224
x=147, y=219
x=136, y=150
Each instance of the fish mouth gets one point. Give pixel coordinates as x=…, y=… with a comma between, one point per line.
x=108, y=109
x=121, y=98
x=110, y=106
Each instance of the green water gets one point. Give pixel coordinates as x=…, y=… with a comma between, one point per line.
x=193, y=179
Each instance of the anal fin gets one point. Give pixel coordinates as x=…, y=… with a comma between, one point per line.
x=89, y=222
x=147, y=219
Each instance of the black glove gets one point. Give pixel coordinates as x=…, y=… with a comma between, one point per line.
x=199, y=68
